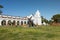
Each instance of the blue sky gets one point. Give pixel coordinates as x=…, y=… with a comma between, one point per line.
x=22, y=8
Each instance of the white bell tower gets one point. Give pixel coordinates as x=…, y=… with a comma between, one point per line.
x=37, y=18
x=37, y=14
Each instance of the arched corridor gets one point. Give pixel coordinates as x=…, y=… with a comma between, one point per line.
x=17, y=22
x=21, y=22
x=9, y=22
x=24, y=22
x=14, y=22
x=3, y=22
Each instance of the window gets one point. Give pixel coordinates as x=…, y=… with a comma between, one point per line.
x=17, y=22
x=3, y=22
x=24, y=22
x=9, y=22
x=21, y=22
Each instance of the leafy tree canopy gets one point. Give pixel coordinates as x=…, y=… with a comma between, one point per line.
x=1, y=6
x=44, y=19
x=57, y=16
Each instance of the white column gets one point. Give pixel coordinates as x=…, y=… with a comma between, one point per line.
x=26, y=21
x=20, y=22
x=15, y=22
x=23, y=22
x=6, y=22
x=0, y=22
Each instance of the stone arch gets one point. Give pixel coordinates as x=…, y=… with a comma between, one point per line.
x=17, y=22
x=3, y=22
x=24, y=22
x=9, y=22
x=21, y=22
x=14, y=22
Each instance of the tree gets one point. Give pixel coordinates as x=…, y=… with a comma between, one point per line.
x=0, y=9
x=50, y=22
x=56, y=18
x=30, y=22
x=44, y=19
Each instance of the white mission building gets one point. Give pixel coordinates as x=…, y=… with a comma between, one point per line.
x=16, y=20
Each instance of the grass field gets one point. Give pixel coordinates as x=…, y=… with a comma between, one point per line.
x=30, y=33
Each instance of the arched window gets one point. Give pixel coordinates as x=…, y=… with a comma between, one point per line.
x=3, y=22
x=21, y=22
x=17, y=22
x=13, y=23
x=9, y=22
x=24, y=22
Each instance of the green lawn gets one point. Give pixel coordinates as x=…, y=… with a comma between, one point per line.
x=30, y=33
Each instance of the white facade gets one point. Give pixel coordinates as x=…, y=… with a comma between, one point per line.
x=12, y=18
x=36, y=18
